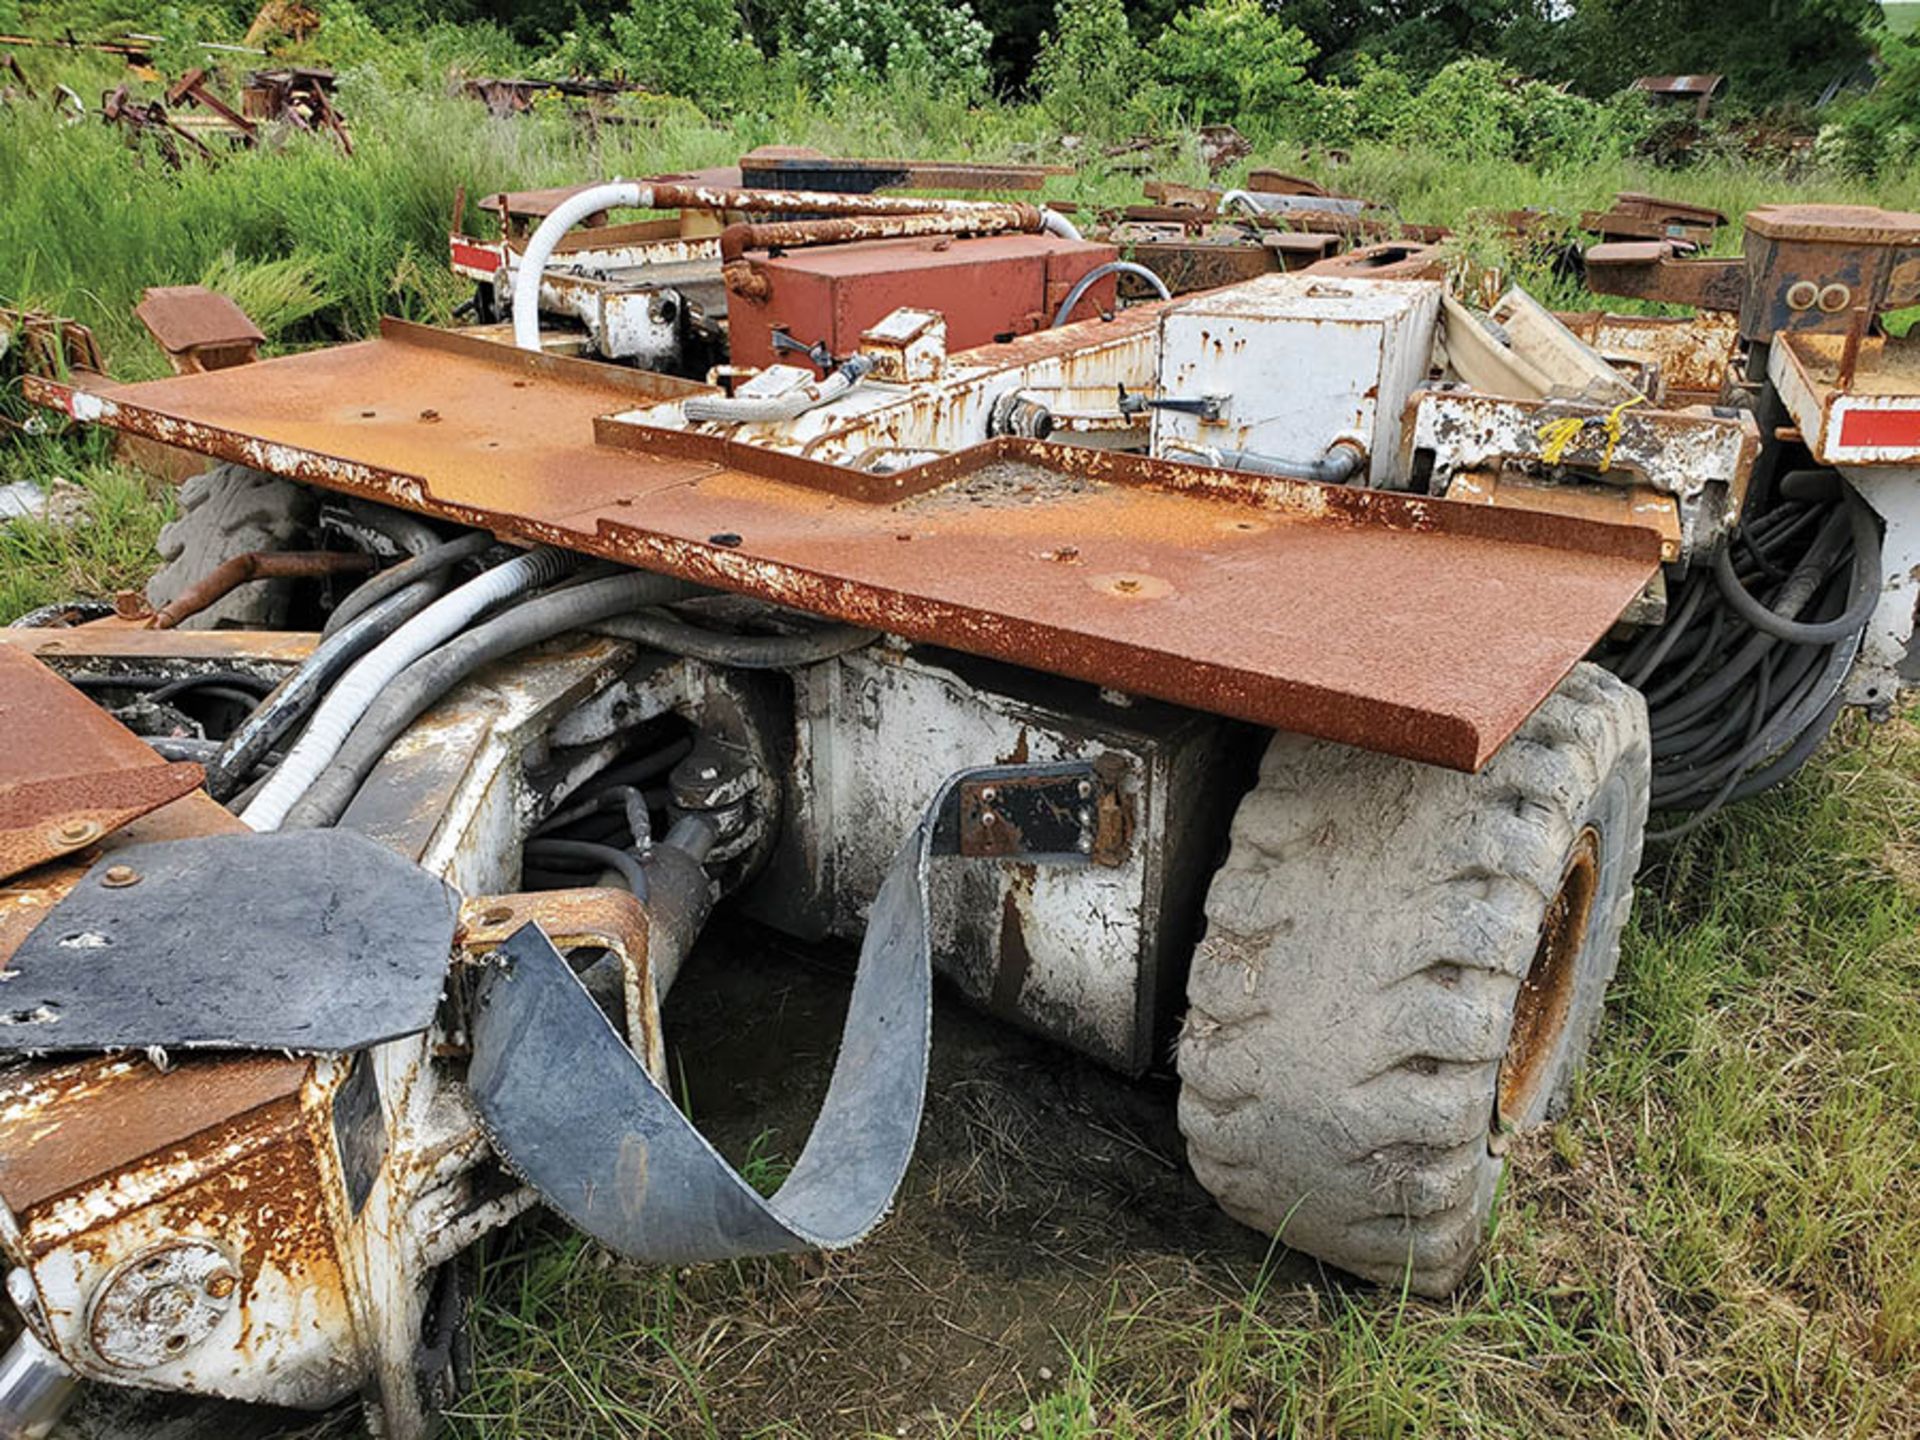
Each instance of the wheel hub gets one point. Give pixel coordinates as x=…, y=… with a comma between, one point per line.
x=1546, y=994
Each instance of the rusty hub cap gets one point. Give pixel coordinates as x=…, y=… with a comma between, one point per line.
x=1546, y=995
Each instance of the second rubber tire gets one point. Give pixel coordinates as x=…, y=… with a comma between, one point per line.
x=1400, y=962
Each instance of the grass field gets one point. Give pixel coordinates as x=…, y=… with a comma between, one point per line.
x=1723, y=1238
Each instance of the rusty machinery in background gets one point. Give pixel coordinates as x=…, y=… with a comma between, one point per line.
x=943, y=603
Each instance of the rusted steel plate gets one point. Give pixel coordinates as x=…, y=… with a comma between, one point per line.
x=69, y=772
x=610, y=919
x=190, y=317
x=115, y=639
x=1397, y=623
x=62, y=1126
x=1649, y=270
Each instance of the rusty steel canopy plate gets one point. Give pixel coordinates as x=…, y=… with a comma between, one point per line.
x=309, y=941
x=1396, y=623
x=69, y=772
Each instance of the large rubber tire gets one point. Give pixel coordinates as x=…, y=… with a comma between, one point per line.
x=228, y=511
x=1400, y=964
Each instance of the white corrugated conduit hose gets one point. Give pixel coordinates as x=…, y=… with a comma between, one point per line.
x=615, y=195
x=336, y=716
x=770, y=409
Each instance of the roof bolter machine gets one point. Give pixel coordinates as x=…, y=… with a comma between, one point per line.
x=340, y=911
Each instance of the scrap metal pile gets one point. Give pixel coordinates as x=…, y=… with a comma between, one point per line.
x=868, y=565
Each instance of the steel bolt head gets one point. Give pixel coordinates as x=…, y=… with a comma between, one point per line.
x=989, y=795
x=77, y=832
x=118, y=877
x=1085, y=845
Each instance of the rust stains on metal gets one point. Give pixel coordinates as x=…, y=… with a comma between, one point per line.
x=1652, y=270
x=118, y=640
x=1546, y=993
x=230, y=574
x=609, y=919
x=69, y=772
x=199, y=329
x=65, y=1126
x=1685, y=360
x=1388, y=260
x=1393, y=622
x=736, y=240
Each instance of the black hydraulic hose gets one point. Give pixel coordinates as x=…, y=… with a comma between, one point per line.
x=606, y=857
x=294, y=697
x=405, y=532
x=1665, y=637
x=633, y=772
x=746, y=652
x=435, y=673
x=1733, y=707
x=1807, y=578
x=187, y=747
x=376, y=588
x=161, y=688
x=630, y=800
x=1864, y=595
x=1719, y=798
x=1691, y=665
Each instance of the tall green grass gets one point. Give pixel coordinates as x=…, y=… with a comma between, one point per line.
x=322, y=244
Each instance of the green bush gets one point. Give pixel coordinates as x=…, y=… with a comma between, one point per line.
x=1090, y=66
x=1233, y=60
x=695, y=48
x=841, y=44
x=1471, y=110
x=1881, y=129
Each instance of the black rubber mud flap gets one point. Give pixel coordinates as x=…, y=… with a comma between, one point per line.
x=313, y=941
x=578, y=1117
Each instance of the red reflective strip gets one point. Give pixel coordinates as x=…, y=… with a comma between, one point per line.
x=1880, y=429
x=477, y=257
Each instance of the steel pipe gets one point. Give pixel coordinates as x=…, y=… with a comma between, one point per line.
x=35, y=1388
x=231, y=574
x=1099, y=273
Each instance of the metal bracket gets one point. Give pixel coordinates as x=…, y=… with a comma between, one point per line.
x=577, y=1116
x=1208, y=407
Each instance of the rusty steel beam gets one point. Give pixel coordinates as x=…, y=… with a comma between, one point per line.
x=1392, y=622
x=736, y=240
x=1649, y=270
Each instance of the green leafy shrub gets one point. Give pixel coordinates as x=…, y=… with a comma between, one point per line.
x=1091, y=70
x=1881, y=129
x=695, y=48
x=848, y=43
x=1233, y=60
x=1471, y=110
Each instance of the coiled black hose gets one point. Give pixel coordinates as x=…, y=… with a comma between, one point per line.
x=1745, y=678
